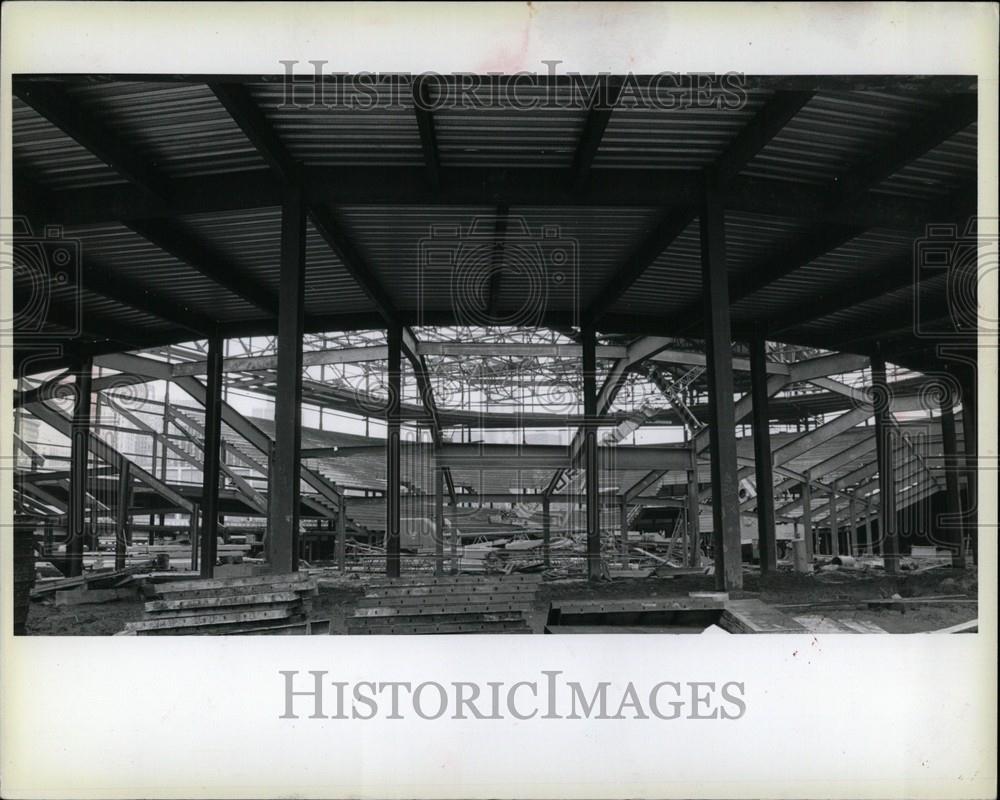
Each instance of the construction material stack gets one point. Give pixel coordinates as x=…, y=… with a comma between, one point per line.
x=267, y=604
x=458, y=604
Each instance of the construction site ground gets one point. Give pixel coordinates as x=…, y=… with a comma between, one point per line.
x=785, y=590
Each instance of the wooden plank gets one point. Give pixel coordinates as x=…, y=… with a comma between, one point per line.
x=592, y=629
x=249, y=609
x=223, y=600
x=972, y=626
x=622, y=574
x=445, y=600
x=171, y=592
x=457, y=608
x=452, y=580
x=821, y=624
x=656, y=558
x=448, y=591
x=48, y=587
x=628, y=606
x=441, y=619
x=212, y=619
x=449, y=628
x=298, y=629
x=84, y=596
x=319, y=627
x=224, y=583
x=753, y=616
x=145, y=549
x=245, y=628
x=862, y=626
x=860, y=601
x=677, y=572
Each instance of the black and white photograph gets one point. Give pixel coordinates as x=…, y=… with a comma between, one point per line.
x=536, y=347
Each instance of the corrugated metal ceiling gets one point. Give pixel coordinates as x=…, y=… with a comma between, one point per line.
x=181, y=130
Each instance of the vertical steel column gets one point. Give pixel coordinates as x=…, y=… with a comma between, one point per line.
x=949, y=440
x=807, y=517
x=341, y=543
x=971, y=446
x=193, y=532
x=694, y=510
x=438, y=521
x=210, y=463
x=546, y=530
x=886, y=474
x=124, y=501
x=870, y=516
x=93, y=535
x=852, y=529
x=454, y=540
x=283, y=514
x=392, y=465
x=163, y=454
x=763, y=463
x=79, y=455
x=623, y=521
x=834, y=521
x=591, y=467
x=721, y=407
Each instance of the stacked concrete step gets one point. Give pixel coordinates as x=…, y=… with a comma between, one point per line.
x=459, y=604
x=259, y=604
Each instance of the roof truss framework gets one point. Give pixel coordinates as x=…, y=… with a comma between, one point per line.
x=847, y=203
x=827, y=214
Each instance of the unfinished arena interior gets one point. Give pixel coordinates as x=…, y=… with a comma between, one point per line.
x=475, y=354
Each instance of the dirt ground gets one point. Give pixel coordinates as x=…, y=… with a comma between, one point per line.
x=338, y=602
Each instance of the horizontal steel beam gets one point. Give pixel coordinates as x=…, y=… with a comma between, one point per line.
x=311, y=358
x=522, y=457
x=408, y=185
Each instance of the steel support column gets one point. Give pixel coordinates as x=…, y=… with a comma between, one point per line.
x=833, y=521
x=591, y=468
x=123, y=502
x=211, y=463
x=807, y=526
x=79, y=457
x=852, y=528
x=193, y=534
x=949, y=441
x=881, y=400
x=341, y=543
x=969, y=429
x=546, y=530
x=721, y=410
x=283, y=534
x=392, y=463
x=438, y=522
x=623, y=521
x=454, y=541
x=694, y=511
x=870, y=516
x=762, y=456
